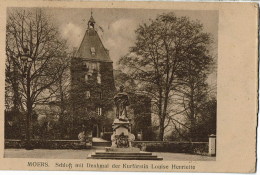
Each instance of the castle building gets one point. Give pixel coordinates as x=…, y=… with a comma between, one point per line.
x=92, y=84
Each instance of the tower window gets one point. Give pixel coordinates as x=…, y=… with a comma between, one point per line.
x=87, y=94
x=86, y=77
x=99, y=79
x=99, y=111
x=93, y=51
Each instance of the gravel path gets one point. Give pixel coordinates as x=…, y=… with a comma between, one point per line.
x=82, y=154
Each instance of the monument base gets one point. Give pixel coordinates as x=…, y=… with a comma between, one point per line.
x=123, y=150
x=122, y=155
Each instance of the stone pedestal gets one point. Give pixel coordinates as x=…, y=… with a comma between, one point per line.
x=122, y=136
x=121, y=148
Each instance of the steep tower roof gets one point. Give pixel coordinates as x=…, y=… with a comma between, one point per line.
x=91, y=47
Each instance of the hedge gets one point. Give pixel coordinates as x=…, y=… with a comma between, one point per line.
x=49, y=144
x=174, y=147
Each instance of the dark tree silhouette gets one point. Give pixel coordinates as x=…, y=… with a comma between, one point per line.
x=35, y=55
x=162, y=49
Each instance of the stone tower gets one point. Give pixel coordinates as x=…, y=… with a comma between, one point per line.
x=92, y=84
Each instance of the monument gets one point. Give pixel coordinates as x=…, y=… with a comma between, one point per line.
x=122, y=137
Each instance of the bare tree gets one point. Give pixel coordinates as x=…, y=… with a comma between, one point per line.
x=162, y=47
x=35, y=52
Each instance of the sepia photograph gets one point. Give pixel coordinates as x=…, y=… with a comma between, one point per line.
x=128, y=86
x=97, y=83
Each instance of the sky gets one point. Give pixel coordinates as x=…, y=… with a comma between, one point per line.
x=119, y=26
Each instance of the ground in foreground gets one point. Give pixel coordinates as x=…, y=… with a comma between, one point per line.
x=82, y=154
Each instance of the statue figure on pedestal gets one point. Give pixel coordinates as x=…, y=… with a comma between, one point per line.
x=121, y=101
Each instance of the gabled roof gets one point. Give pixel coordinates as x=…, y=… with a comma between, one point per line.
x=92, y=40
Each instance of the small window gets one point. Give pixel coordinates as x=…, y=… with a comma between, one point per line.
x=86, y=78
x=87, y=94
x=93, y=51
x=99, y=111
x=99, y=79
x=84, y=67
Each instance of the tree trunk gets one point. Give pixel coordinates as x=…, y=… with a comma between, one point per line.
x=163, y=115
x=29, y=112
x=193, y=130
x=192, y=116
x=161, y=122
x=62, y=109
x=28, y=121
x=161, y=130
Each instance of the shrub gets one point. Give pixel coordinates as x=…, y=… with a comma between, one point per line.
x=47, y=144
x=177, y=147
x=107, y=136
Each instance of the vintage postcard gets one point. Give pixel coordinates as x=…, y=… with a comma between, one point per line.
x=128, y=86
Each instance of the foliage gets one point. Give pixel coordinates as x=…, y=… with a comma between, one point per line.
x=162, y=50
x=84, y=108
x=107, y=136
x=12, y=127
x=140, y=106
x=177, y=147
x=48, y=144
x=206, y=124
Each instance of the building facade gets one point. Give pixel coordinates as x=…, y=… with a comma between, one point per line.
x=92, y=84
